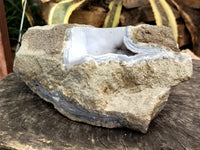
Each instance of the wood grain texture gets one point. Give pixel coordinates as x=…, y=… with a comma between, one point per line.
x=28, y=122
x=6, y=60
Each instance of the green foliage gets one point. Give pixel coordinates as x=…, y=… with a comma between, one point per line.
x=164, y=16
x=113, y=16
x=28, y=13
x=62, y=11
x=161, y=9
x=13, y=11
x=13, y=15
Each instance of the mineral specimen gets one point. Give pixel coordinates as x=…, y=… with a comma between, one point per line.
x=115, y=77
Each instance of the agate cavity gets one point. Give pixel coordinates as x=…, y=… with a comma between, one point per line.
x=94, y=42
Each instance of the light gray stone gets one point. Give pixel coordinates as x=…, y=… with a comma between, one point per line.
x=117, y=77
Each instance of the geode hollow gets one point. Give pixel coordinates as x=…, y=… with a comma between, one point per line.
x=115, y=77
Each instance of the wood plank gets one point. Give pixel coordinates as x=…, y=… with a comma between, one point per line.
x=28, y=122
x=6, y=60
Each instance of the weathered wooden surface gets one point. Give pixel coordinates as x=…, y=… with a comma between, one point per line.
x=6, y=62
x=28, y=122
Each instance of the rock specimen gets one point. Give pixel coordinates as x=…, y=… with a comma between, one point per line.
x=115, y=77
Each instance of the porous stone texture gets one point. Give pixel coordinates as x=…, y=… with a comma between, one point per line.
x=109, y=91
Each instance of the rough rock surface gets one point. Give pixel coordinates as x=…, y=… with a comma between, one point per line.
x=125, y=89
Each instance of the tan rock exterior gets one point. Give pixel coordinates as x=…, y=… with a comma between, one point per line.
x=110, y=93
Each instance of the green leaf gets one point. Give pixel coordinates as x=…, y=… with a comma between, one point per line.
x=13, y=4
x=164, y=15
x=113, y=16
x=28, y=13
x=62, y=11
